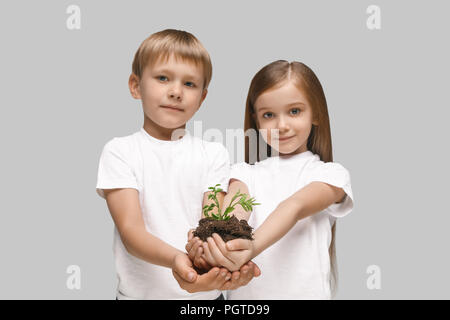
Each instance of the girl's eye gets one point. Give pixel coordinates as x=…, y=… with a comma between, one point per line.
x=295, y=111
x=190, y=84
x=162, y=78
x=267, y=115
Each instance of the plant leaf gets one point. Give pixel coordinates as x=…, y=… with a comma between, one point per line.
x=228, y=210
x=215, y=217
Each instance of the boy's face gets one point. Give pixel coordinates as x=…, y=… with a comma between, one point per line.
x=171, y=93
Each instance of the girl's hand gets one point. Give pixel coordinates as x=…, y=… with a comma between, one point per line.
x=194, y=249
x=233, y=257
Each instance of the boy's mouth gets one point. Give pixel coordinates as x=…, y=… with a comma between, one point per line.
x=170, y=107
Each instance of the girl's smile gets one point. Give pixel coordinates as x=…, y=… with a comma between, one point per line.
x=282, y=139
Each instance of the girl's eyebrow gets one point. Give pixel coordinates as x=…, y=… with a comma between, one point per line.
x=295, y=103
x=288, y=105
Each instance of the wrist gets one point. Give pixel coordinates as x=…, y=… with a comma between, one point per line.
x=174, y=256
x=257, y=247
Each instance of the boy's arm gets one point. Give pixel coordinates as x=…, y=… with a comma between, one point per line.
x=125, y=210
x=233, y=187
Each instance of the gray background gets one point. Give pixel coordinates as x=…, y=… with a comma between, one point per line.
x=64, y=94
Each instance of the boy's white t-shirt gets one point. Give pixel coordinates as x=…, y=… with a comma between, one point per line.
x=171, y=177
x=298, y=265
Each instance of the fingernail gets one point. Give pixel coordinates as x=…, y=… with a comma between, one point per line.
x=227, y=278
x=191, y=276
x=223, y=274
x=245, y=271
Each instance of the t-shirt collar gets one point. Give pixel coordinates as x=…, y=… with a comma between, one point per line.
x=165, y=142
x=287, y=159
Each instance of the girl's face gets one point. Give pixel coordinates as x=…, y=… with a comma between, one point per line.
x=284, y=108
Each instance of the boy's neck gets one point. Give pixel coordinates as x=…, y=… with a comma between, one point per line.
x=162, y=133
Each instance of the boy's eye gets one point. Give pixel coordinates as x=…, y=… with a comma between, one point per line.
x=267, y=115
x=295, y=111
x=190, y=84
x=162, y=78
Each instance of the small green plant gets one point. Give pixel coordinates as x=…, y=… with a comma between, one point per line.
x=238, y=198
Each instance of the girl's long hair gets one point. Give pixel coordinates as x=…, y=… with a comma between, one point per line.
x=319, y=140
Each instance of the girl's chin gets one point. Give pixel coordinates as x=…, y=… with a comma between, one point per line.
x=283, y=152
x=287, y=151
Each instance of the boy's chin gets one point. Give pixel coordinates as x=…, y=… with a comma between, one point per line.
x=172, y=124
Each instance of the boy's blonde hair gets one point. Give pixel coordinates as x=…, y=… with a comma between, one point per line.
x=183, y=45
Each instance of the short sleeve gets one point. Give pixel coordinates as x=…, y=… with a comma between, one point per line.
x=335, y=175
x=115, y=168
x=241, y=171
x=219, y=166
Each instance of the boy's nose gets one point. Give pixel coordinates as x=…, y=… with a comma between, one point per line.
x=175, y=92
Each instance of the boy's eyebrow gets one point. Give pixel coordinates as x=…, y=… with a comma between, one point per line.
x=189, y=76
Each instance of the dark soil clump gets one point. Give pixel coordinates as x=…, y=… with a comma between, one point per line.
x=227, y=229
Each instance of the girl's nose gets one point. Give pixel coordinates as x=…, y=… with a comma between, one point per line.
x=283, y=125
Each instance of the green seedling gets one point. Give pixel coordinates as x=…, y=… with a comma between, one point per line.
x=238, y=198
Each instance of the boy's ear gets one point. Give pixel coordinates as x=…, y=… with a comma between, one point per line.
x=204, y=93
x=133, y=85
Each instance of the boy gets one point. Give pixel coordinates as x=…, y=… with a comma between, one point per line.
x=156, y=180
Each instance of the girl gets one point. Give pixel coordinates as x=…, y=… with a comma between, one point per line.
x=301, y=190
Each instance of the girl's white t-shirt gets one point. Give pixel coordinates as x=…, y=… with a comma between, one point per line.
x=171, y=177
x=298, y=265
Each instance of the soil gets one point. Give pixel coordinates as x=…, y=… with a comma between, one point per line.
x=228, y=229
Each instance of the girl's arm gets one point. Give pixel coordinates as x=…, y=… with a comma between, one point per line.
x=233, y=187
x=220, y=198
x=309, y=200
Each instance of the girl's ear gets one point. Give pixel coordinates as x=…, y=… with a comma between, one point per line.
x=255, y=119
x=133, y=85
x=315, y=121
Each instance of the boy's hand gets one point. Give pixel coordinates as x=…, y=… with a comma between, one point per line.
x=194, y=249
x=242, y=277
x=190, y=281
x=231, y=255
